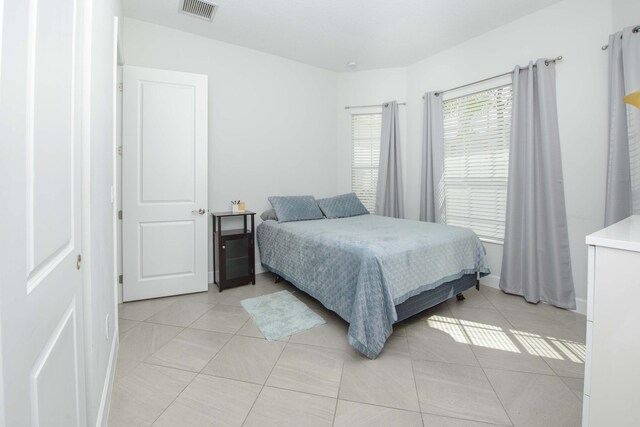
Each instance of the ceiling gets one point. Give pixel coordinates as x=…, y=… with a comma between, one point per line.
x=330, y=33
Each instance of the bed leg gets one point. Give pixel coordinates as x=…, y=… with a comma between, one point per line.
x=460, y=297
x=277, y=279
x=478, y=285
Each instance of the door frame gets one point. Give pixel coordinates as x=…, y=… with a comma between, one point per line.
x=105, y=402
x=2, y=413
x=118, y=63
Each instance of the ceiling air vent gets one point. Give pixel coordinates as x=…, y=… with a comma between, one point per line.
x=198, y=8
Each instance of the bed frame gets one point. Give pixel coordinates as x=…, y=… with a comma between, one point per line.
x=427, y=299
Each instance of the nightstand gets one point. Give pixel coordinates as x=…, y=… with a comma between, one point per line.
x=233, y=251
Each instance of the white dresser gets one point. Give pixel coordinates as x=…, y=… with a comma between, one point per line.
x=612, y=369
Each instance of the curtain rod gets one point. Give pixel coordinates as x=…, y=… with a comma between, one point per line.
x=635, y=30
x=348, y=107
x=546, y=61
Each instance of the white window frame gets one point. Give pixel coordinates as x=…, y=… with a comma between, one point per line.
x=481, y=87
x=375, y=165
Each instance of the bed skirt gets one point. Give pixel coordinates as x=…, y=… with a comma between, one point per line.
x=427, y=299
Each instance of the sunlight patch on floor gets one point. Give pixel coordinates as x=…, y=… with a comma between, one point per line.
x=574, y=351
x=536, y=345
x=480, y=334
x=491, y=339
x=495, y=337
x=449, y=326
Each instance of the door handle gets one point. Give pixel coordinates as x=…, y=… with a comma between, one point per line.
x=199, y=211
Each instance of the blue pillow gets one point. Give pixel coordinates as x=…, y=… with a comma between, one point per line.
x=295, y=208
x=342, y=206
x=269, y=214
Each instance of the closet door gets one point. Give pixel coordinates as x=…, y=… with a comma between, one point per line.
x=42, y=63
x=164, y=183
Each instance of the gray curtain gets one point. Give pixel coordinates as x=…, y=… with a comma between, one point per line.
x=389, y=197
x=623, y=175
x=536, y=261
x=432, y=202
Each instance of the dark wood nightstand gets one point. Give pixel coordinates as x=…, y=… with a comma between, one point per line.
x=233, y=251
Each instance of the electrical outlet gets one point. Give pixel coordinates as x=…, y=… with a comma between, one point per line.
x=107, y=326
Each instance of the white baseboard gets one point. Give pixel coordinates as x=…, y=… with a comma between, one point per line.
x=493, y=281
x=258, y=268
x=105, y=400
x=581, y=306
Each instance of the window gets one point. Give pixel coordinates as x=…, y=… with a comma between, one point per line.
x=476, y=160
x=365, y=156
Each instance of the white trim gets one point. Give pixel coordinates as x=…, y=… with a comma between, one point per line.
x=105, y=400
x=585, y=409
x=115, y=191
x=2, y=410
x=118, y=61
x=591, y=280
x=85, y=190
x=492, y=241
x=258, y=269
x=493, y=281
x=85, y=208
x=581, y=306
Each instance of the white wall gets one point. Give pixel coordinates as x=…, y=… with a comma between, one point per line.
x=98, y=259
x=272, y=121
x=574, y=29
x=625, y=13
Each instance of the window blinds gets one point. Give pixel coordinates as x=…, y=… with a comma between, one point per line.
x=476, y=160
x=365, y=156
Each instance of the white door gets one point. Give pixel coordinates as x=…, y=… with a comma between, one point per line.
x=164, y=183
x=41, y=135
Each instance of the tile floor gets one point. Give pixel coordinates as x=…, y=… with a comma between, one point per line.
x=493, y=359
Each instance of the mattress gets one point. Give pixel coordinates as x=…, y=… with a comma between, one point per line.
x=362, y=267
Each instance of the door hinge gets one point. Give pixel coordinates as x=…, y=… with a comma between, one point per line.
x=120, y=279
x=119, y=214
x=120, y=87
x=120, y=150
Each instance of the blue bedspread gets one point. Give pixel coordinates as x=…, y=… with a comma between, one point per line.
x=362, y=267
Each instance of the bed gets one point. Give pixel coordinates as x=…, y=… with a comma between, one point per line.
x=373, y=271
